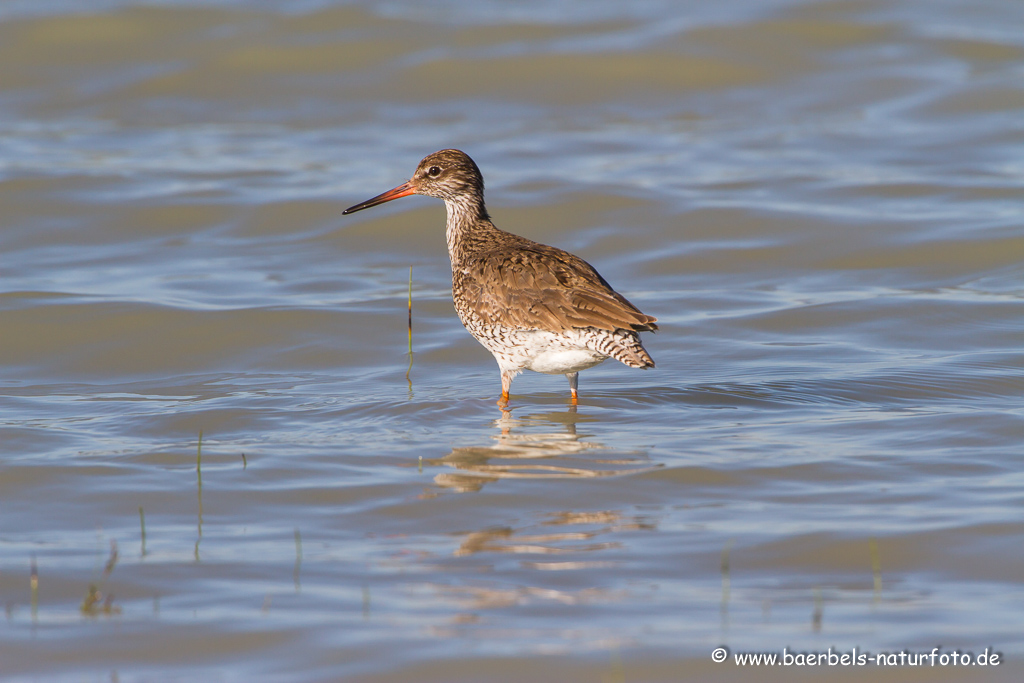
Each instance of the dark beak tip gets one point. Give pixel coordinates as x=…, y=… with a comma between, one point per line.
x=403, y=190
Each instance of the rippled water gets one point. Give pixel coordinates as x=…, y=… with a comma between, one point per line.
x=821, y=203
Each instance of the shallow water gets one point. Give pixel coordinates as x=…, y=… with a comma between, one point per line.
x=821, y=203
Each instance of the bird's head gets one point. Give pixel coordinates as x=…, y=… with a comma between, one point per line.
x=449, y=175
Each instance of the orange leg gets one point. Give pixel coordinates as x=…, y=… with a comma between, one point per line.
x=506, y=384
x=574, y=381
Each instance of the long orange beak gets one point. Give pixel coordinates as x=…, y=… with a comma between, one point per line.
x=403, y=190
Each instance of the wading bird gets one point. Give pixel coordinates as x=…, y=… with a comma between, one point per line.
x=534, y=307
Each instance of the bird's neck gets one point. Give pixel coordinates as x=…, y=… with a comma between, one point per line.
x=468, y=226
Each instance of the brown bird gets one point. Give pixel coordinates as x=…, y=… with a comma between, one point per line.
x=534, y=307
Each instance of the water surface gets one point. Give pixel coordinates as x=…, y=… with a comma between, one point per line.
x=820, y=201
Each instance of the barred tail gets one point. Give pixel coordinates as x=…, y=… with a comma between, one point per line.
x=623, y=346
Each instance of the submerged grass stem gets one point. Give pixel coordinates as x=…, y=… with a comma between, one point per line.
x=408, y=370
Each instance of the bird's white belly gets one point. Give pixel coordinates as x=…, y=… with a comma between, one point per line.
x=563, y=361
x=539, y=350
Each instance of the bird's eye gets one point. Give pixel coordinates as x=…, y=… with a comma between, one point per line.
x=434, y=171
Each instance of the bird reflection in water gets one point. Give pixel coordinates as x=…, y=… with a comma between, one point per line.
x=565, y=541
x=562, y=541
x=581, y=542
x=520, y=453
x=587, y=527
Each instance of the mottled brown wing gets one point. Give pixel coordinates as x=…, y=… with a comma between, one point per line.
x=535, y=286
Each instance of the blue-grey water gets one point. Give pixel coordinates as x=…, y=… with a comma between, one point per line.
x=219, y=462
